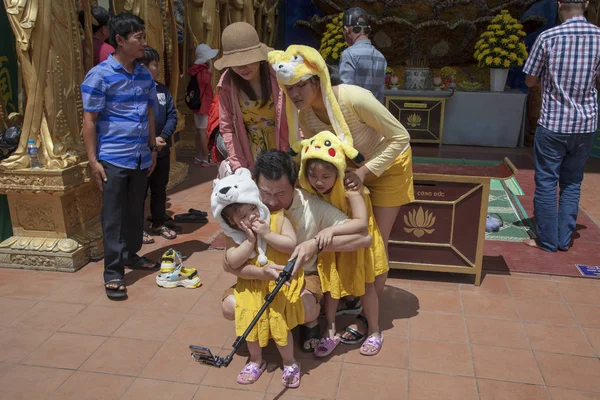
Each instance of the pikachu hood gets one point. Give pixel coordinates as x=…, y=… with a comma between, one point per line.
x=327, y=147
x=300, y=63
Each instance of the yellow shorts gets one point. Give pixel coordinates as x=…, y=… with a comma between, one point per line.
x=394, y=188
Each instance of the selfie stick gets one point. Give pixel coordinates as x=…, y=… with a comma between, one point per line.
x=216, y=361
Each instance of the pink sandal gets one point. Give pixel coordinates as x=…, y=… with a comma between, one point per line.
x=253, y=370
x=326, y=346
x=291, y=373
x=372, y=345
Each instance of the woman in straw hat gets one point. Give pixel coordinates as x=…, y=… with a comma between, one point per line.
x=251, y=104
x=359, y=119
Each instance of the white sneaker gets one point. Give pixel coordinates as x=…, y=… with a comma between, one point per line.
x=181, y=276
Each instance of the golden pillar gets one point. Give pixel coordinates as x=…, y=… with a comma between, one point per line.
x=161, y=34
x=55, y=210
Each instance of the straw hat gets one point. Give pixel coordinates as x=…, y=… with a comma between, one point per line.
x=241, y=46
x=204, y=53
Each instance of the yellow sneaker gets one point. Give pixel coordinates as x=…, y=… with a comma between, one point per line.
x=170, y=260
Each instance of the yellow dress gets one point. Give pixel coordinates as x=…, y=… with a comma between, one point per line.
x=285, y=312
x=346, y=273
x=260, y=125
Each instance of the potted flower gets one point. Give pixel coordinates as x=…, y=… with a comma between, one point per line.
x=391, y=79
x=332, y=42
x=448, y=75
x=500, y=48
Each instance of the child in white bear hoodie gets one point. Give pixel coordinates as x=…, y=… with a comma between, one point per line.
x=263, y=240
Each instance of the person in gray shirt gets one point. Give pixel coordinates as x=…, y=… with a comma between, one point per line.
x=361, y=63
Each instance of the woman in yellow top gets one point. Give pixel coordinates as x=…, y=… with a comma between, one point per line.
x=316, y=103
x=236, y=205
x=322, y=170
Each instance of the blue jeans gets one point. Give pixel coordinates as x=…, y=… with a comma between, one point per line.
x=559, y=161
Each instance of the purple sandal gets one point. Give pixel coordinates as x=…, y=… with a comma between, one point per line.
x=253, y=370
x=291, y=376
x=326, y=346
x=373, y=342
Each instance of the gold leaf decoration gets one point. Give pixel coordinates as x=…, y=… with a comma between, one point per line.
x=414, y=120
x=419, y=222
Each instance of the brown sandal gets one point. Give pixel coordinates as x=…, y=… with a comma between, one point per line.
x=147, y=239
x=165, y=232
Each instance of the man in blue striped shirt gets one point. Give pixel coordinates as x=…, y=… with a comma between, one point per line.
x=361, y=64
x=118, y=131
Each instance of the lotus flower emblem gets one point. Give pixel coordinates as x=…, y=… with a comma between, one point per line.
x=419, y=222
x=414, y=120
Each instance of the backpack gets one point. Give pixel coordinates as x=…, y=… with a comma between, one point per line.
x=193, y=97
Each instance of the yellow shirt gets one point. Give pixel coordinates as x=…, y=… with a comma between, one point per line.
x=379, y=136
x=260, y=125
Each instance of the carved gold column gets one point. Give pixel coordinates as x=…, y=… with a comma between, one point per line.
x=55, y=210
x=161, y=34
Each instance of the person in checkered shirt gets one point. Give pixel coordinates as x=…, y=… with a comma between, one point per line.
x=565, y=60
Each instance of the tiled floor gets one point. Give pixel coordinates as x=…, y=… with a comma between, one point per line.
x=517, y=336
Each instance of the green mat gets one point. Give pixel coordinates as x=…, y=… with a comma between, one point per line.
x=500, y=206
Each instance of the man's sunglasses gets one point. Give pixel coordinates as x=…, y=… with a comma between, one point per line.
x=358, y=29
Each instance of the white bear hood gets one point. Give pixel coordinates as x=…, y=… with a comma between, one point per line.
x=239, y=188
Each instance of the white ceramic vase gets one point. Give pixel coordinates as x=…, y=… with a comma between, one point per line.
x=498, y=79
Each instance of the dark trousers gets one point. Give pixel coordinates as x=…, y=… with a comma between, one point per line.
x=559, y=163
x=157, y=183
x=122, y=217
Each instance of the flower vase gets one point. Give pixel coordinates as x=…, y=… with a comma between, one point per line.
x=498, y=79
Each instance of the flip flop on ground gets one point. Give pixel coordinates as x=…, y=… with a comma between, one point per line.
x=115, y=289
x=356, y=337
x=310, y=337
x=146, y=238
x=165, y=232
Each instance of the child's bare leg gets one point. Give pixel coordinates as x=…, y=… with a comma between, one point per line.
x=255, y=352
x=330, y=311
x=287, y=351
x=370, y=303
x=201, y=144
x=374, y=341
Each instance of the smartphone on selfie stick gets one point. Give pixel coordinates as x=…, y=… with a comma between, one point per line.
x=205, y=356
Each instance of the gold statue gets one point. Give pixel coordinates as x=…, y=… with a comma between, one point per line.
x=212, y=23
x=241, y=10
x=49, y=52
x=270, y=25
x=195, y=22
x=150, y=12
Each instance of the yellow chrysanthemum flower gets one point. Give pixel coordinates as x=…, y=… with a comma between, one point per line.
x=514, y=38
x=522, y=33
x=512, y=56
x=488, y=60
x=500, y=33
x=497, y=49
x=497, y=60
x=493, y=40
x=504, y=53
x=519, y=61
x=504, y=41
x=512, y=46
x=484, y=46
x=506, y=64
